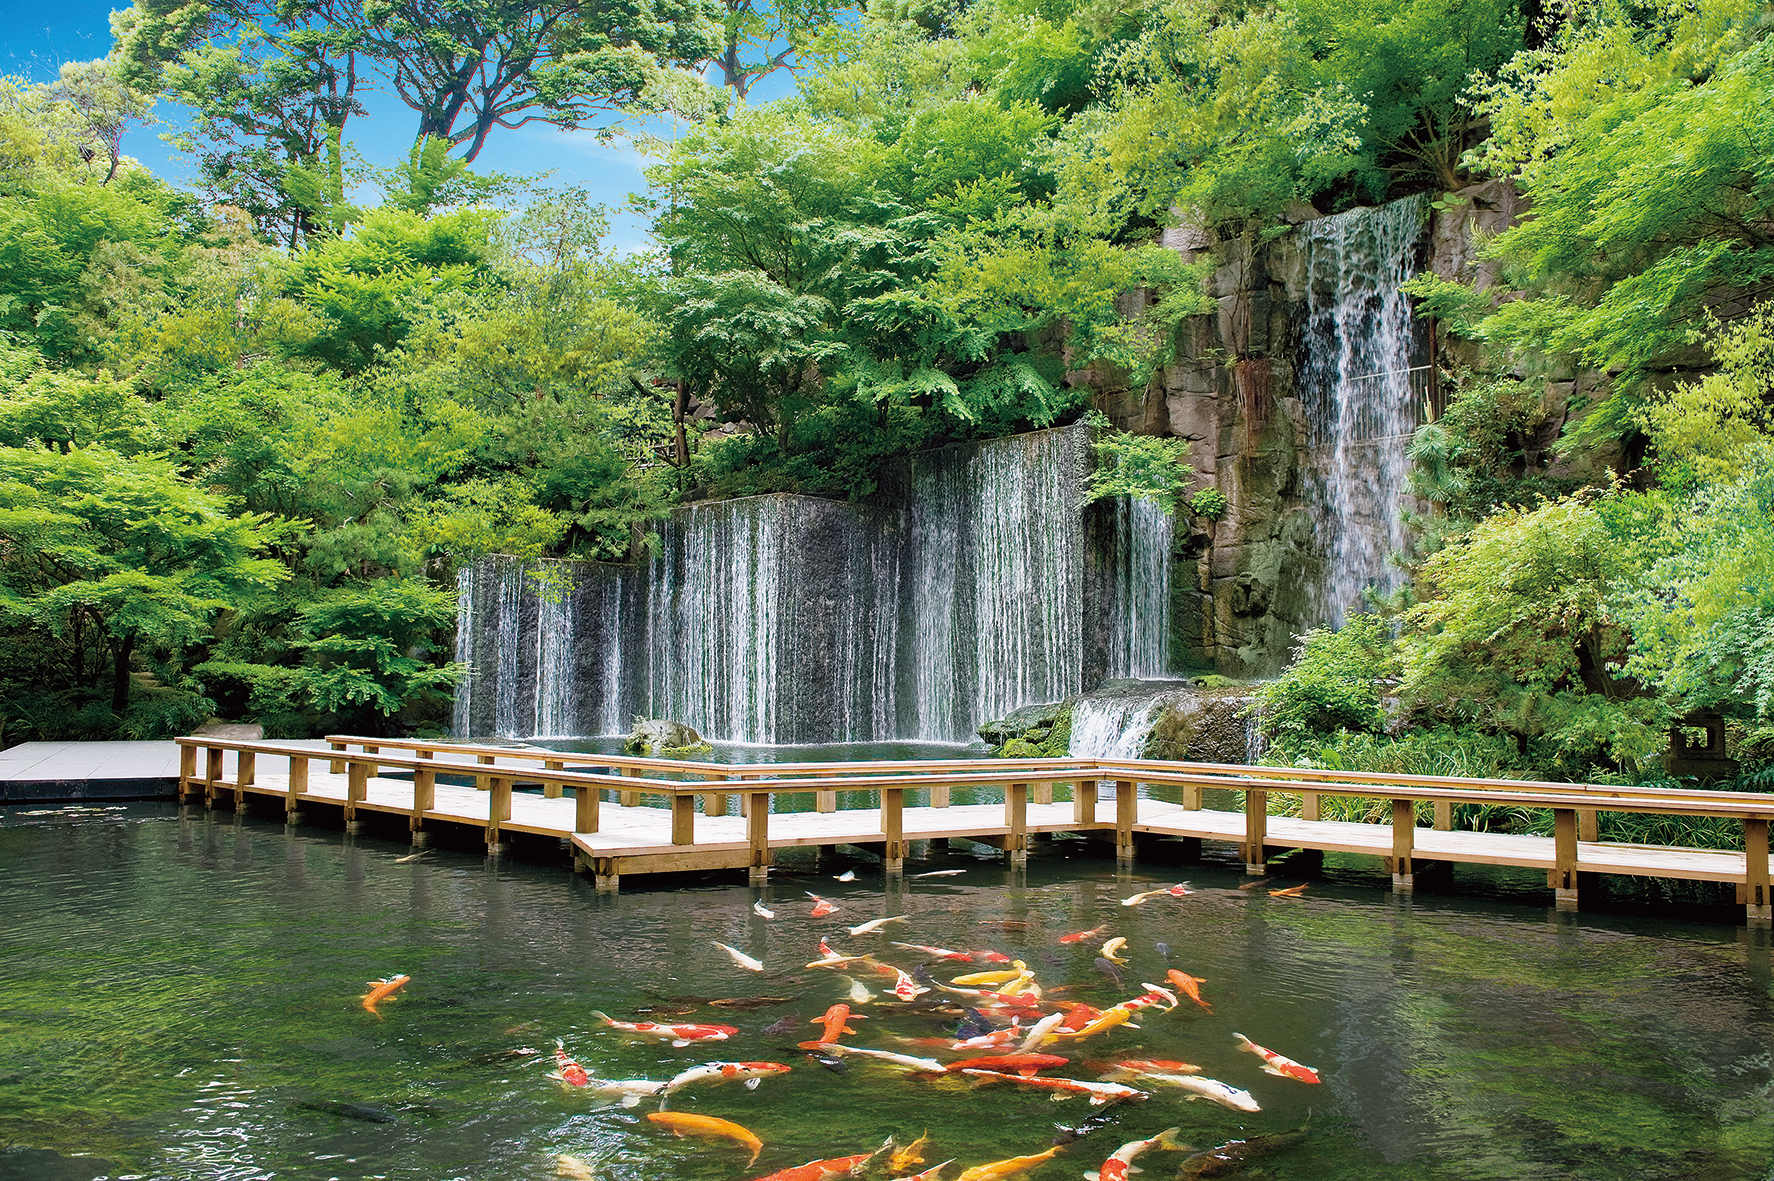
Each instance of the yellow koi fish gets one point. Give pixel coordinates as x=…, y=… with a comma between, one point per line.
x=1016, y=969
x=684, y=1124
x=1010, y=1167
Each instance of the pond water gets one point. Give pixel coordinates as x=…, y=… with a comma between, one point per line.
x=179, y=998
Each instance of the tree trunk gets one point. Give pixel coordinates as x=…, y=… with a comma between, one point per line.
x=120, y=675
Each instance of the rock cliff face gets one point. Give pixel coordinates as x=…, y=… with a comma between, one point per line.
x=1297, y=397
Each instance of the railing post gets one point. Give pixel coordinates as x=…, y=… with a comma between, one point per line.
x=1759, y=908
x=1589, y=826
x=1127, y=810
x=628, y=799
x=1016, y=816
x=757, y=834
x=1444, y=815
x=1310, y=808
x=1404, y=824
x=1256, y=830
x=424, y=797
x=585, y=811
x=825, y=801
x=187, y=770
x=939, y=795
x=714, y=804
x=298, y=783
x=893, y=827
x=1042, y=793
x=337, y=766
x=213, y=772
x=683, y=818
x=1563, y=876
x=551, y=788
x=245, y=768
x=357, y=787
x=483, y=782
x=1084, y=802
x=498, y=811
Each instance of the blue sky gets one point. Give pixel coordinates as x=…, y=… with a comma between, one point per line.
x=36, y=38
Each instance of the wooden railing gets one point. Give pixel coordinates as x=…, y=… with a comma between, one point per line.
x=1023, y=782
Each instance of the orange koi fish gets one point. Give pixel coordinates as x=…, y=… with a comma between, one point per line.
x=1290, y=892
x=1189, y=986
x=838, y=1166
x=1009, y=1168
x=1120, y=1162
x=1010, y=1063
x=708, y=1125
x=722, y=1072
x=1099, y=1093
x=1078, y=1016
x=1081, y=936
x=821, y=907
x=678, y=1035
x=1276, y=1064
x=991, y=957
x=834, y=1022
x=568, y=1072
x=380, y=989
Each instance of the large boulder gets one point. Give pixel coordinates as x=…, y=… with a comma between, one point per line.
x=661, y=736
x=1041, y=719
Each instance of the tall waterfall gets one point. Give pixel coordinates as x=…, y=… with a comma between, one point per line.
x=792, y=619
x=1358, y=359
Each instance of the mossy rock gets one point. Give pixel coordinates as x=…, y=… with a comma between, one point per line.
x=684, y=752
x=1020, y=748
x=1216, y=681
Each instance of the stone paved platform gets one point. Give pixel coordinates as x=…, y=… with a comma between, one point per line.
x=45, y=771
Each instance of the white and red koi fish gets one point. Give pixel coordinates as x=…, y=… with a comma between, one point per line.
x=1176, y=891
x=821, y=907
x=991, y=957
x=1120, y=1162
x=722, y=1072
x=678, y=1035
x=997, y=1039
x=1134, y=1068
x=1081, y=936
x=937, y=953
x=1099, y=1093
x=1040, y=1031
x=1276, y=1064
x=905, y=988
x=1224, y=1094
x=762, y=911
x=569, y=1072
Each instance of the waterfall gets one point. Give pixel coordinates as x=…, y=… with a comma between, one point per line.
x=1358, y=351
x=462, y=715
x=1112, y=728
x=1139, y=633
x=784, y=619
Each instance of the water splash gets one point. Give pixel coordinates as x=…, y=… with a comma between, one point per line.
x=1113, y=727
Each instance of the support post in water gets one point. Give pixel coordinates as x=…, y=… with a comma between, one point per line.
x=187, y=770
x=292, y=792
x=1404, y=823
x=1016, y=818
x=1563, y=876
x=213, y=773
x=1127, y=803
x=498, y=811
x=757, y=835
x=245, y=768
x=604, y=876
x=424, y=799
x=893, y=828
x=1758, y=907
x=357, y=788
x=1256, y=830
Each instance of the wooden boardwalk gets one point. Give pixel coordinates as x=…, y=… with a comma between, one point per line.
x=612, y=831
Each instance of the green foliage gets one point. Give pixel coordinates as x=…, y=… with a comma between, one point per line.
x=1151, y=467
x=1210, y=504
x=1332, y=685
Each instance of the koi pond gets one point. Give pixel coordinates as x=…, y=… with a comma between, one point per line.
x=181, y=998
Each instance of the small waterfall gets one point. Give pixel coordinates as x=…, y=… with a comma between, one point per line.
x=461, y=716
x=557, y=688
x=1112, y=728
x=1139, y=635
x=1358, y=359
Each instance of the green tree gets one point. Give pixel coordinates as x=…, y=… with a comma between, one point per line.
x=109, y=554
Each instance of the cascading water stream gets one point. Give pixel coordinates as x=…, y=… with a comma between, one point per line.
x=1359, y=354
